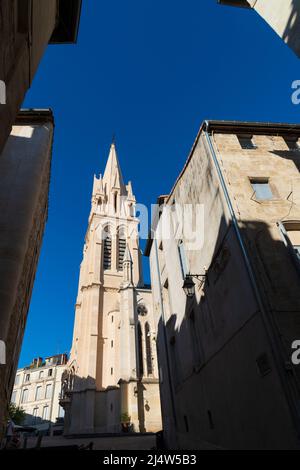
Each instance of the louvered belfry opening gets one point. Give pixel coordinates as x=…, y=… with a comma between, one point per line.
x=121, y=249
x=107, y=249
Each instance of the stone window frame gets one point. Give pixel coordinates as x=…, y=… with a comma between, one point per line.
x=293, y=139
x=107, y=233
x=121, y=235
x=263, y=179
x=245, y=137
x=284, y=227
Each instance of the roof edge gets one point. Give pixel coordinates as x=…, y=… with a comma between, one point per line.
x=26, y=116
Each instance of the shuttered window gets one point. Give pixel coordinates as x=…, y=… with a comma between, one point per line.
x=121, y=251
x=107, y=250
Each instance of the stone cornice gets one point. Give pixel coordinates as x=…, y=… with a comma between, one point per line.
x=90, y=286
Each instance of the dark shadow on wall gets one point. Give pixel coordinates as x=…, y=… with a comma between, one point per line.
x=223, y=375
x=289, y=155
x=22, y=201
x=291, y=35
x=72, y=384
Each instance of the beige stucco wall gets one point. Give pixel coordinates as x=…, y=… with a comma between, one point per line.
x=221, y=399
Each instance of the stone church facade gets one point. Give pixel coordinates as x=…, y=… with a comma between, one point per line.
x=112, y=371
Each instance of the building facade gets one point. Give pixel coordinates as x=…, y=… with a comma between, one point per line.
x=25, y=175
x=112, y=370
x=37, y=389
x=27, y=27
x=226, y=290
x=282, y=15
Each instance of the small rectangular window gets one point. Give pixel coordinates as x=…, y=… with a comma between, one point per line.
x=24, y=396
x=183, y=260
x=292, y=143
x=48, y=391
x=14, y=397
x=61, y=412
x=38, y=393
x=293, y=233
x=290, y=233
x=50, y=373
x=45, y=413
x=34, y=415
x=246, y=142
x=262, y=189
x=297, y=250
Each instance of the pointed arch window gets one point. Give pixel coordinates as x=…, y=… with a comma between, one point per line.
x=107, y=249
x=121, y=249
x=148, y=349
x=140, y=350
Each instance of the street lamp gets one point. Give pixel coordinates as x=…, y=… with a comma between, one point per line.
x=189, y=285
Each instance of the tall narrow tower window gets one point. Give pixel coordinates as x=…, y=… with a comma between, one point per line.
x=148, y=349
x=121, y=249
x=140, y=350
x=115, y=201
x=107, y=249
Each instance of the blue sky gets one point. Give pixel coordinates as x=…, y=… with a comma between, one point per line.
x=150, y=72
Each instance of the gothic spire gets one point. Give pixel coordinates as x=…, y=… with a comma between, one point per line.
x=112, y=175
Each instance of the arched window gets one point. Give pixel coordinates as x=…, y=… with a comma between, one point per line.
x=107, y=249
x=140, y=350
x=148, y=349
x=121, y=248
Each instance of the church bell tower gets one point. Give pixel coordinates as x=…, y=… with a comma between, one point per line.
x=112, y=374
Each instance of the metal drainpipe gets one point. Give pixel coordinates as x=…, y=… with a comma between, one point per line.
x=272, y=333
x=164, y=333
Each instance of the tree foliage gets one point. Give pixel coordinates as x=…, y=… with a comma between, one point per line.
x=16, y=414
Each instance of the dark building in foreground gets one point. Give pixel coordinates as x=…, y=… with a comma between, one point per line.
x=283, y=16
x=27, y=27
x=227, y=292
x=25, y=174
